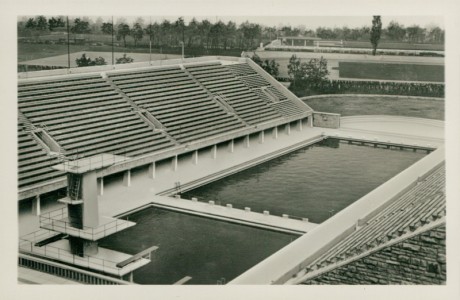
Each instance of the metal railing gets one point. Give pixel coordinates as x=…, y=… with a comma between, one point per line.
x=104, y=265
x=66, y=272
x=59, y=220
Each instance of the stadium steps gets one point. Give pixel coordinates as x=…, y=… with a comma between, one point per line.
x=231, y=87
x=241, y=69
x=178, y=101
x=90, y=117
x=34, y=163
x=287, y=108
x=422, y=204
x=153, y=123
x=213, y=97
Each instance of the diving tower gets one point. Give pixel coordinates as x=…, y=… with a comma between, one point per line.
x=70, y=234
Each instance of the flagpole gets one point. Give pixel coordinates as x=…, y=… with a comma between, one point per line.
x=112, y=43
x=68, y=43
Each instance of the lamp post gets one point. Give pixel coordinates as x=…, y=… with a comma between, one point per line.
x=182, y=45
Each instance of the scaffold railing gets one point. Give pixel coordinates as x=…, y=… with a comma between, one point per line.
x=60, y=221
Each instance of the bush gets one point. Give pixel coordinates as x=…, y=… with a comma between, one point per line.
x=371, y=87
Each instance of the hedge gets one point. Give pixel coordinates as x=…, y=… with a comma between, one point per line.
x=370, y=87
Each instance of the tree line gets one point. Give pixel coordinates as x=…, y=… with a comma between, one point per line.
x=215, y=35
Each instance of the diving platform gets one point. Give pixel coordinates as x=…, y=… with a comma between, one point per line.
x=60, y=221
x=105, y=260
x=87, y=164
x=70, y=234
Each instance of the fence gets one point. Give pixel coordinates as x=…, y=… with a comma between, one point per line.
x=66, y=271
x=59, y=220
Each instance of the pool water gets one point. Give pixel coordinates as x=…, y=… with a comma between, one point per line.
x=207, y=250
x=314, y=182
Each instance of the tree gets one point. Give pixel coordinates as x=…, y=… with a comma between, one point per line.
x=396, y=32
x=137, y=33
x=270, y=66
x=415, y=33
x=179, y=26
x=80, y=26
x=376, y=31
x=55, y=23
x=31, y=24
x=124, y=60
x=106, y=28
x=122, y=32
x=84, y=61
x=315, y=71
x=295, y=71
x=42, y=23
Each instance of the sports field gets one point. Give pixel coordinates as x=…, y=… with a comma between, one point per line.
x=379, y=105
x=62, y=60
x=394, y=45
x=391, y=71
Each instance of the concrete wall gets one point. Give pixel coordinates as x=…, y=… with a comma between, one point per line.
x=418, y=260
x=326, y=120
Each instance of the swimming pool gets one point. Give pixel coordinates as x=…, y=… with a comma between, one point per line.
x=205, y=249
x=314, y=182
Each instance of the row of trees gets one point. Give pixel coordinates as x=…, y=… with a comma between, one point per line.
x=206, y=34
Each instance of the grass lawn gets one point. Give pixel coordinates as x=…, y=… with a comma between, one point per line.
x=352, y=106
x=394, y=45
x=391, y=71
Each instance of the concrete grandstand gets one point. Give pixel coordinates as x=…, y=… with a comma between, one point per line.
x=149, y=113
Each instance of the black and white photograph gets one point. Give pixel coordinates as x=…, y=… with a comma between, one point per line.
x=177, y=148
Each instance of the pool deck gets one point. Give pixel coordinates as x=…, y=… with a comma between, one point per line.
x=235, y=215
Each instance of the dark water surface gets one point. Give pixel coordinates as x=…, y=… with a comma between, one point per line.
x=205, y=249
x=313, y=182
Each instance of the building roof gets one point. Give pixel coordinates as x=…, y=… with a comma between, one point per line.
x=419, y=207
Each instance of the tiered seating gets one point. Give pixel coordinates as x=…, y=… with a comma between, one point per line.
x=277, y=93
x=86, y=116
x=287, y=108
x=419, y=206
x=220, y=81
x=177, y=101
x=263, y=96
x=241, y=69
x=34, y=164
x=254, y=81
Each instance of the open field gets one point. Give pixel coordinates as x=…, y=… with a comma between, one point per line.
x=28, y=51
x=62, y=60
x=394, y=45
x=379, y=105
x=391, y=71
